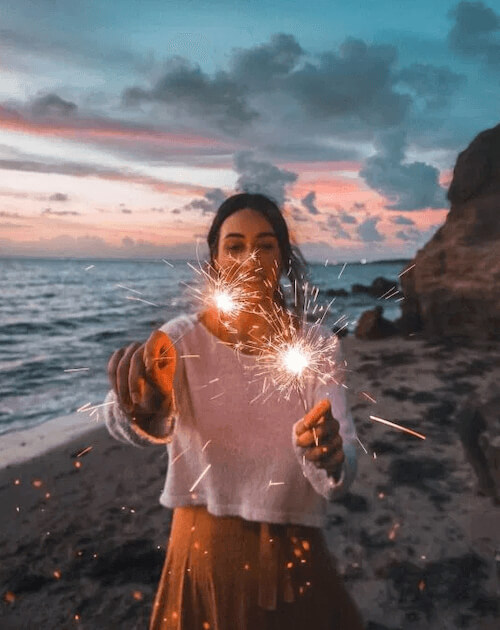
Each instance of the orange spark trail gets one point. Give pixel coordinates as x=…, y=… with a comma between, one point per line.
x=398, y=426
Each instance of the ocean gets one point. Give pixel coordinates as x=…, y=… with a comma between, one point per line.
x=58, y=315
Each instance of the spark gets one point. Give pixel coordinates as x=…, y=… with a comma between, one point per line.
x=181, y=453
x=200, y=478
x=131, y=297
x=225, y=289
x=384, y=294
x=391, y=295
x=362, y=445
x=89, y=267
x=77, y=370
x=399, y=299
x=326, y=262
x=398, y=426
x=205, y=445
x=342, y=270
x=405, y=271
x=122, y=286
x=84, y=451
x=189, y=356
x=217, y=396
x=214, y=380
x=83, y=407
x=276, y=483
x=166, y=262
x=369, y=397
x=293, y=355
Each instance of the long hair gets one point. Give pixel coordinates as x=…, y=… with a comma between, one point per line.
x=293, y=262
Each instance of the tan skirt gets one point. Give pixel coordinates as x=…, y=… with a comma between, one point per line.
x=227, y=573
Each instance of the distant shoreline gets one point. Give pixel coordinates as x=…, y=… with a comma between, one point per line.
x=184, y=260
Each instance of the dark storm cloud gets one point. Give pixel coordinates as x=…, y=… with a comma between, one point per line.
x=262, y=177
x=356, y=83
x=367, y=230
x=52, y=105
x=407, y=187
x=476, y=32
x=435, y=85
x=185, y=86
x=265, y=66
x=308, y=203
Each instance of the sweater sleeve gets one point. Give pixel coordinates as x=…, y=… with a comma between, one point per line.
x=323, y=482
x=123, y=428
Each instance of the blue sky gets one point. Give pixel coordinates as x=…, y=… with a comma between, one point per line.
x=121, y=120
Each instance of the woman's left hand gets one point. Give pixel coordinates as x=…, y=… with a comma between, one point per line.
x=328, y=453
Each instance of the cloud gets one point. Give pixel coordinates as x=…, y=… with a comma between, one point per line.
x=367, y=230
x=52, y=105
x=415, y=235
x=348, y=218
x=209, y=203
x=126, y=211
x=8, y=224
x=297, y=214
x=475, y=32
x=60, y=213
x=434, y=85
x=356, y=83
x=160, y=210
x=407, y=187
x=58, y=197
x=333, y=224
x=264, y=67
x=9, y=215
x=308, y=203
x=262, y=177
x=400, y=220
x=185, y=87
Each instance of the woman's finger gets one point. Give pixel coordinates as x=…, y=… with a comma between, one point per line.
x=313, y=416
x=112, y=366
x=122, y=376
x=137, y=376
x=323, y=434
x=160, y=358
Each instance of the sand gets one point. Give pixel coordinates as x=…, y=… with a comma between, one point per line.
x=83, y=538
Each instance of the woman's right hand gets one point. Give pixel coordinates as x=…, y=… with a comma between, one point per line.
x=142, y=377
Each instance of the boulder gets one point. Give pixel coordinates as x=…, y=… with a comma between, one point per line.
x=479, y=430
x=454, y=288
x=336, y=292
x=380, y=286
x=372, y=325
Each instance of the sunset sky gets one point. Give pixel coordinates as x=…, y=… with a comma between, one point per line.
x=123, y=125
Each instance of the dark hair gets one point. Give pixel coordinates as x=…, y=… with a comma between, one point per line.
x=294, y=264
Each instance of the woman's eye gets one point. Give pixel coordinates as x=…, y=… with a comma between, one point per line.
x=234, y=248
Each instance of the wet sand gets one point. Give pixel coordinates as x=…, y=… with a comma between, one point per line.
x=83, y=538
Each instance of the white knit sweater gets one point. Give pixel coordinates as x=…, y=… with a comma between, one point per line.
x=235, y=456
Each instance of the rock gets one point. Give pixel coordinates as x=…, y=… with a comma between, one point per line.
x=454, y=288
x=340, y=331
x=479, y=431
x=377, y=288
x=372, y=325
x=336, y=293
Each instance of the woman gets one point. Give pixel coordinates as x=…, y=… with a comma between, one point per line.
x=248, y=481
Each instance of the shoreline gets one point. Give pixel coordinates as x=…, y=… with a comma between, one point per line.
x=18, y=447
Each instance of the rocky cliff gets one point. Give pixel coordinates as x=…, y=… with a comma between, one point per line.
x=454, y=288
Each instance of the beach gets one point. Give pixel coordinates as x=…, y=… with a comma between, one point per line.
x=84, y=537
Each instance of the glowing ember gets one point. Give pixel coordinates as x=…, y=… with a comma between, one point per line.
x=137, y=595
x=224, y=302
x=295, y=360
x=37, y=483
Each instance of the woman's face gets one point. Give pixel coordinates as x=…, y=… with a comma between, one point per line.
x=247, y=243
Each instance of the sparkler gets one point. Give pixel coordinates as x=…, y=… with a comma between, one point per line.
x=226, y=289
